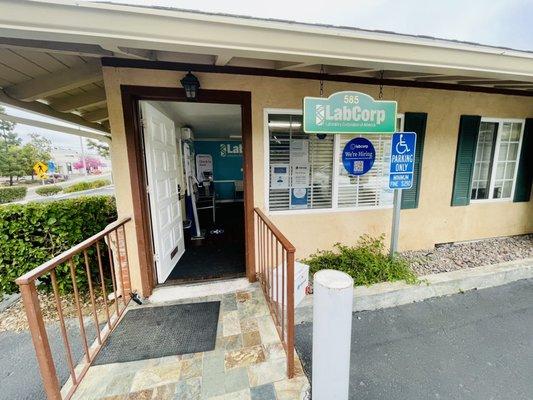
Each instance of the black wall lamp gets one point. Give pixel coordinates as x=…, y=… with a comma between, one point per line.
x=191, y=84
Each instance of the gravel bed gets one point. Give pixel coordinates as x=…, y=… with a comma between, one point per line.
x=455, y=256
x=14, y=317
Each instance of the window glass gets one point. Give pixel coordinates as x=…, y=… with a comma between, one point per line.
x=370, y=189
x=507, y=159
x=496, y=160
x=301, y=169
x=301, y=165
x=481, y=175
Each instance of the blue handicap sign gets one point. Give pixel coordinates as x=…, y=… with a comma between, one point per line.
x=358, y=156
x=402, y=160
x=51, y=167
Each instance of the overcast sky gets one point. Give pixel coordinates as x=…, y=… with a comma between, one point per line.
x=506, y=23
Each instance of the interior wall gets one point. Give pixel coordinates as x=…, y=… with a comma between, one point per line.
x=227, y=164
x=434, y=221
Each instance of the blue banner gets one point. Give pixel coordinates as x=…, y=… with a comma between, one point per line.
x=358, y=156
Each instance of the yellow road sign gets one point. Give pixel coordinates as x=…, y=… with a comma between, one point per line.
x=40, y=169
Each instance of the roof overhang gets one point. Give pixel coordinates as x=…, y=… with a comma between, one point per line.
x=117, y=28
x=51, y=53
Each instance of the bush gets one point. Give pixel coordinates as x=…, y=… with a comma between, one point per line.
x=77, y=187
x=100, y=183
x=367, y=263
x=33, y=233
x=86, y=185
x=48, y=190
x=12, y=193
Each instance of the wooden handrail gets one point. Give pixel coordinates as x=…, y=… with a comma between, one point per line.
x=117, y=267
x=277, y=233
x=42, y=269
x=275, y=266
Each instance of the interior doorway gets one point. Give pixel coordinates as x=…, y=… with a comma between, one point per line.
x=194, y=169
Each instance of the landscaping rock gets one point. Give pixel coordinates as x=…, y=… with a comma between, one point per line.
x=455, y=256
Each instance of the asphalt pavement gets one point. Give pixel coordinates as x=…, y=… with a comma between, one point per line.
x=476, y=345
x=19, y=373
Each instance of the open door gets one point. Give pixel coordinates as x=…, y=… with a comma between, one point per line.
x=162, y=165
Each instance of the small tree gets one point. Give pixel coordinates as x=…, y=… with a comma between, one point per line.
x=11, y=159
x=13, y=163
x=91, y=163
x=100, y=147
x=38, y=149
x=7, y=134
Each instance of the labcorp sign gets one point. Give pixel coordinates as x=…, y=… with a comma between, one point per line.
x=349, y=112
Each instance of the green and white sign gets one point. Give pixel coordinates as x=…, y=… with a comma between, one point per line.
x=349, y=112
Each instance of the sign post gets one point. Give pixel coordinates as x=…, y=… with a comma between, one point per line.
x=403, y=147
x=352, y=113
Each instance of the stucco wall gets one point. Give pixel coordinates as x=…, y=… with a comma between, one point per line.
x=434, y=221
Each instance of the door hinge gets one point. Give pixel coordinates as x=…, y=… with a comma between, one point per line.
x=143, y=123
x=147, y=189
x=156, y=257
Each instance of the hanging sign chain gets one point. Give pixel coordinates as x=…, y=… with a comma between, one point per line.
x=380, y=96
x=322, y=80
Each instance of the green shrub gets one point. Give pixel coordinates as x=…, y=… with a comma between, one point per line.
x=48, y=190
x=12, y=193
x=100, y=183
x=367, y=263
x=77, y=187
x=33, y=233
x=86, y=185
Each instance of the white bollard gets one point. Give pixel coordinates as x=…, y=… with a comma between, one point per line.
x=332, y=331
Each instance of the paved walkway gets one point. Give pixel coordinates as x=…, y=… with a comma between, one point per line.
x=248, y=363
x=472, y=346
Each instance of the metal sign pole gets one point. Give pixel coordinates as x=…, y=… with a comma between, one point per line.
x=397, y=206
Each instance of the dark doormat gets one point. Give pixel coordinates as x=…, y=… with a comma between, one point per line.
x=153, y=332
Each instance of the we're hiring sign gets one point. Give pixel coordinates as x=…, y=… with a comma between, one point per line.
x=349, y=112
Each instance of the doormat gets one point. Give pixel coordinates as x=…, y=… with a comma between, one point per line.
x=154, y=332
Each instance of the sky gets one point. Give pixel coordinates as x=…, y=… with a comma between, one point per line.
x=504, y=23
x=60, y=141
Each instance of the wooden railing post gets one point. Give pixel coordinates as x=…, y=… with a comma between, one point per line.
x=290, y=313
x=40, y=340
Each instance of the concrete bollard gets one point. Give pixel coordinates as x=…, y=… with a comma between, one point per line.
x=332, y=331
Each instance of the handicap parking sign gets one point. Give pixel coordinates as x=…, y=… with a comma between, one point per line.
x=402, y=163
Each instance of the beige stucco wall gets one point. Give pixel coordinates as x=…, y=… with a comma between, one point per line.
x=434, y=221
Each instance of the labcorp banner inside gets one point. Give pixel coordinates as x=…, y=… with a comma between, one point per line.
x=349, y=112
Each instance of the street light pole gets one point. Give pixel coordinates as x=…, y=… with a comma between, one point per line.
x=83, y=157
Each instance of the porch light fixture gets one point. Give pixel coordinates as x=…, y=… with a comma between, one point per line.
x=191, y=84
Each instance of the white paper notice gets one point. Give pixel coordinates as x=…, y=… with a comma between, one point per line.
x=204, y=166
x=299, y=151
x=279, y=176
x=300, y=176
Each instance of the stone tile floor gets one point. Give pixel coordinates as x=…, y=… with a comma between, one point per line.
x=248, y=362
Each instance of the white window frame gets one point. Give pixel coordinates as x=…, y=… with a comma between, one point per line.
x=335, y=189
x=500, y=122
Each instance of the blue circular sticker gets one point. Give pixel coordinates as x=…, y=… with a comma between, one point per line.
x=358, y=156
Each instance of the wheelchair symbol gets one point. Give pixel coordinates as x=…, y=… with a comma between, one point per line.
x=402, y=145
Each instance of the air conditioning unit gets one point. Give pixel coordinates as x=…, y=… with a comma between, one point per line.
x=186, y=133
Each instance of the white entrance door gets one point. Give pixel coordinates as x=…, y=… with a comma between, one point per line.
x=163, y=172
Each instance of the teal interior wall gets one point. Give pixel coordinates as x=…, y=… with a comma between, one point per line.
x=227, y=164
